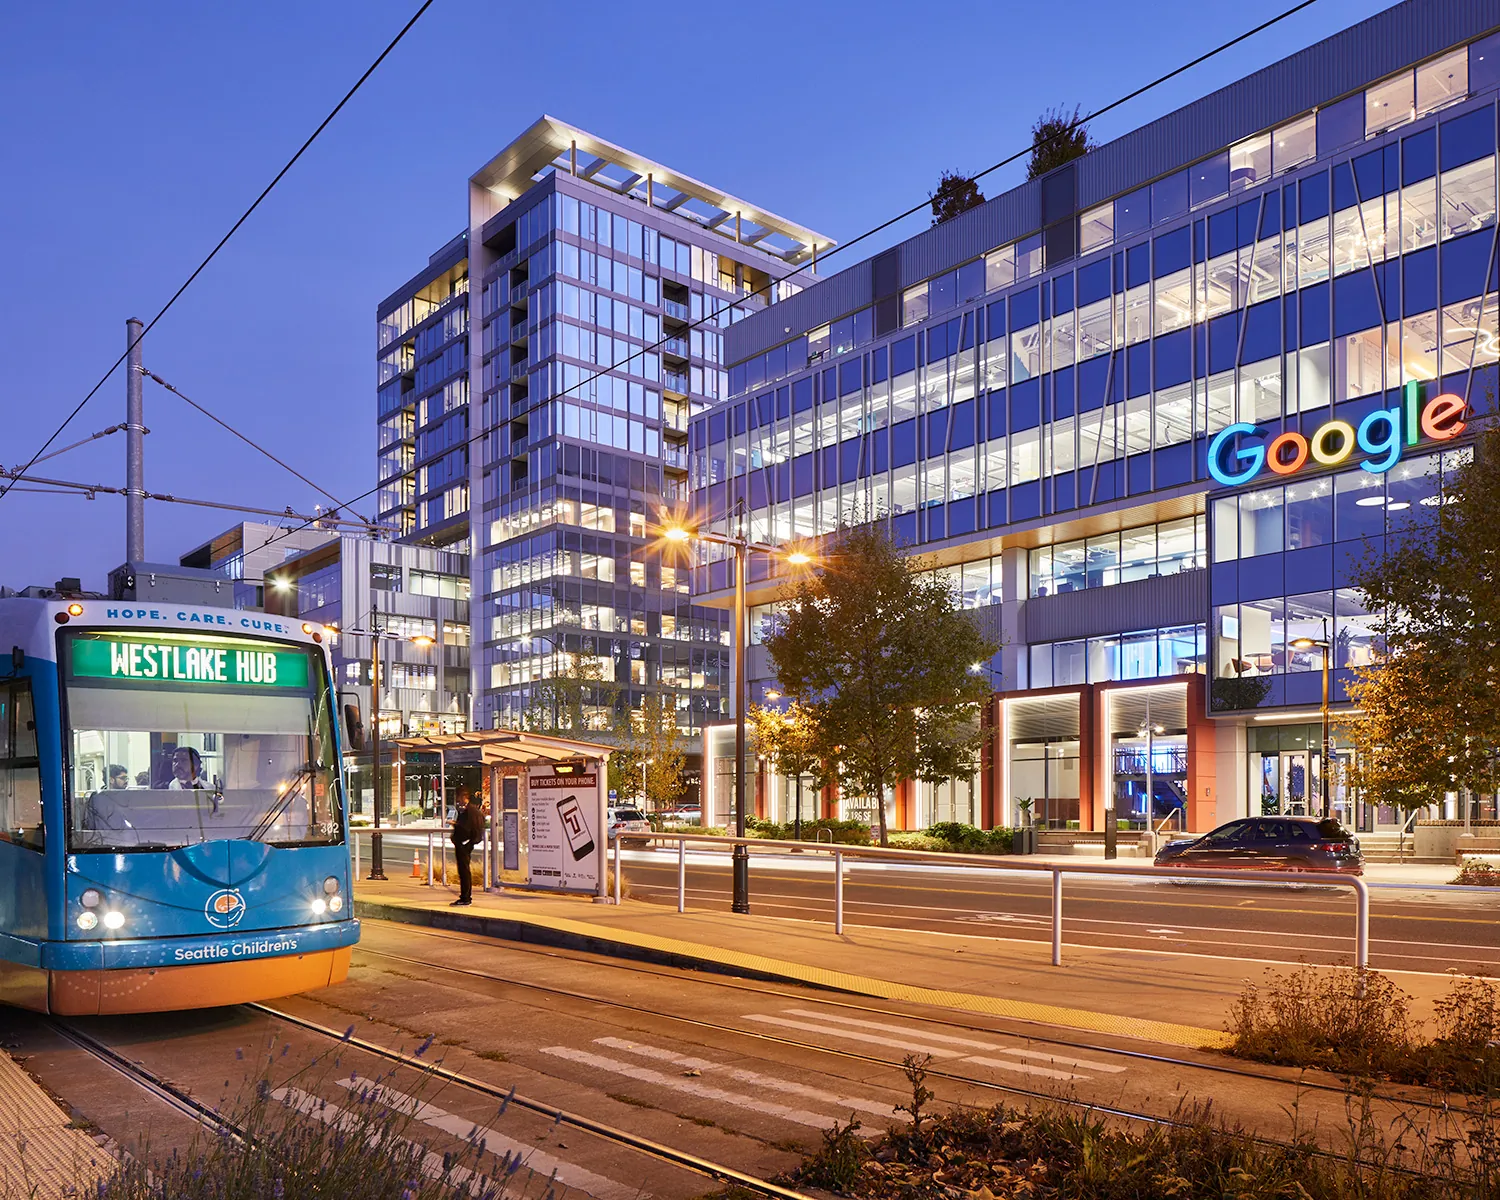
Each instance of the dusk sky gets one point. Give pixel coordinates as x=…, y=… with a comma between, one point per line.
x=137, y=134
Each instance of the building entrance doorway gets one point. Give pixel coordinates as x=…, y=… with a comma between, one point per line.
x=1290, y=784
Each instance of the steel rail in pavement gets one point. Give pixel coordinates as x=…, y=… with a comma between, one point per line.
x=609, y=1133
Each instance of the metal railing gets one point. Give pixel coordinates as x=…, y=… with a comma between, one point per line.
x=841, y=853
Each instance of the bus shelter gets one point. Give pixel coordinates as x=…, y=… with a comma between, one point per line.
x=549, y=792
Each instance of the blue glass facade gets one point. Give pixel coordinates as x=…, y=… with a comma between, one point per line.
x=1019, y=392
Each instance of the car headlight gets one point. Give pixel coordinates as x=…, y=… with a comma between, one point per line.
x=320, y=906
x=331, y=885
x=114, y=919
x=87, y=920
x=90, y=898
x=336, y=904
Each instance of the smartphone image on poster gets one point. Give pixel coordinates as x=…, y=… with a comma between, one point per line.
x=571, y=815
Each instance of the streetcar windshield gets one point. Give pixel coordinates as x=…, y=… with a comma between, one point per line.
x=179, y=739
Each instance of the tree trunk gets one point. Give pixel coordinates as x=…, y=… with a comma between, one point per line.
x=797, y=830
x=880, y=818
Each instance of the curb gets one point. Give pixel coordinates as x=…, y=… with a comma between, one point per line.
x=645, y=947
x=511, y=929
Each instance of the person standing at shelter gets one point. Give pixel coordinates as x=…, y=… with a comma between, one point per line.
x=468, y=831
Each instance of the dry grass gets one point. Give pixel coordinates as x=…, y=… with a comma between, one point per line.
x=1358, y=1023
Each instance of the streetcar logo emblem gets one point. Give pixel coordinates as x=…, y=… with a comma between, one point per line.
x=224, y=908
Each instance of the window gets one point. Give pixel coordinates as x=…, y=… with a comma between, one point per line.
x=1419, y=213
x=175, y=762
x=1028, y=256
x=1093, y=331
x=999, y=268
x=1390, y=103
x=1249, y=162
x=1468, y=197
x=450, y=587
x=385, y=577
x=1096, y=228
x=1443, y=81
x=1294, y=143
x=1174, y=302
x=914, y=304
x=20, y=780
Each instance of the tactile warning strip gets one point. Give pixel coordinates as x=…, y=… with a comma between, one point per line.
x=41, y=1154
x=494, y=924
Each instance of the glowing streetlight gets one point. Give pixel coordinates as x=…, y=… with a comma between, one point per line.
x=797, y=556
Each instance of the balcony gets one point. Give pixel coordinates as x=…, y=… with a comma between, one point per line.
x=675, y=347
x=675, y=310
x=518, y=371
x=518, y=295
x=675, y=381
x=675, y=458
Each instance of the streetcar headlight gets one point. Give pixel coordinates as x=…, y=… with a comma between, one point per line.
x=320, y=906
x=88, y=920
x=336, y=904
x=90, y=898
x=114, y=919
x=331, y=885
x=75, y=610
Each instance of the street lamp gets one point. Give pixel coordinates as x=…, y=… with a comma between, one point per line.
x=1307, y=643
x=742, y=545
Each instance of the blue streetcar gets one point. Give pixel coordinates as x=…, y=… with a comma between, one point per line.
x=172, y=822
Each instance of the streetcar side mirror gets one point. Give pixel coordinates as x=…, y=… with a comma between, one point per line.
x=354, y=726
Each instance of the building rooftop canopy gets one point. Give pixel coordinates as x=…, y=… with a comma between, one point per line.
x=553, y=145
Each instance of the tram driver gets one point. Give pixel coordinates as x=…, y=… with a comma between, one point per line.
x=187, y=771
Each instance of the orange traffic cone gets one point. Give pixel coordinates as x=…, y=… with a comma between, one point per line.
x=415, y=874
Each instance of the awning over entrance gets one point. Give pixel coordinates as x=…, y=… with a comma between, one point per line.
x=492, y=746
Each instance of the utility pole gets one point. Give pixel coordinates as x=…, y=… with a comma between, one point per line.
x=377, y=839
x=135, y=450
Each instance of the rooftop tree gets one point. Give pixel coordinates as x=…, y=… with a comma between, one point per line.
x=955, y=194
x=1057, y=137
x=881, y=658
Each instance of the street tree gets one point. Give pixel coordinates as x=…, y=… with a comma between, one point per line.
x=789, y=742
x=579, y=700
x=881, y=657
x=1057, y=137
x=1430, y=723
x=956, y=193
x=651, y=738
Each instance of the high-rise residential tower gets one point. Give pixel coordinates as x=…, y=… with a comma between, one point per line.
x=601, y=285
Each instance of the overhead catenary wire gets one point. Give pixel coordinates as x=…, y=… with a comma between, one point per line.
x=909, y=212
x=222, y=242
x=254, y=445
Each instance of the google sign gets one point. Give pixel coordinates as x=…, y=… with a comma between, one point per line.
x=1382, y=435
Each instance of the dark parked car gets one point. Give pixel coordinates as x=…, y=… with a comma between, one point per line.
x=1270, y=844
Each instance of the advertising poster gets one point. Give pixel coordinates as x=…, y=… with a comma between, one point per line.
x=565, y=840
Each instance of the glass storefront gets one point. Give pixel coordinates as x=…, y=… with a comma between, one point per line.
x=1148, y=756
x=1042, y=735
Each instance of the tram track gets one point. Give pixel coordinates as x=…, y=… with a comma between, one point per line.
x=150, y=1082
x=1300, y=1083
x=763, y=1187
x=610, y=1134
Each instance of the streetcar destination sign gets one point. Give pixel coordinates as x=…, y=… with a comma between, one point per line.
x=151, y=660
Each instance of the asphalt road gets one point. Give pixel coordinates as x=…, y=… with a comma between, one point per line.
x=1411, y=929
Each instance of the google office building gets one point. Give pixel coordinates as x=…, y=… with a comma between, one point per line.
x=1146, y=413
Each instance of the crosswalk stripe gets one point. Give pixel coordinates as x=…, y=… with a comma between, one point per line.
x=744, y=1076
x=1086, y=1063
x=1023, y=1068
x=853, y=1035
x=691, y=1087
x=884, y=1027
x=499, y=1144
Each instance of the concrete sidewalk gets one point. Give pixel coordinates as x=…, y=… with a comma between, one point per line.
x=1161, y=997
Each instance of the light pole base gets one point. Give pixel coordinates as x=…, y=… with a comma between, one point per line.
x=740, y=870
x=377, y=855
x=1111, y=835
